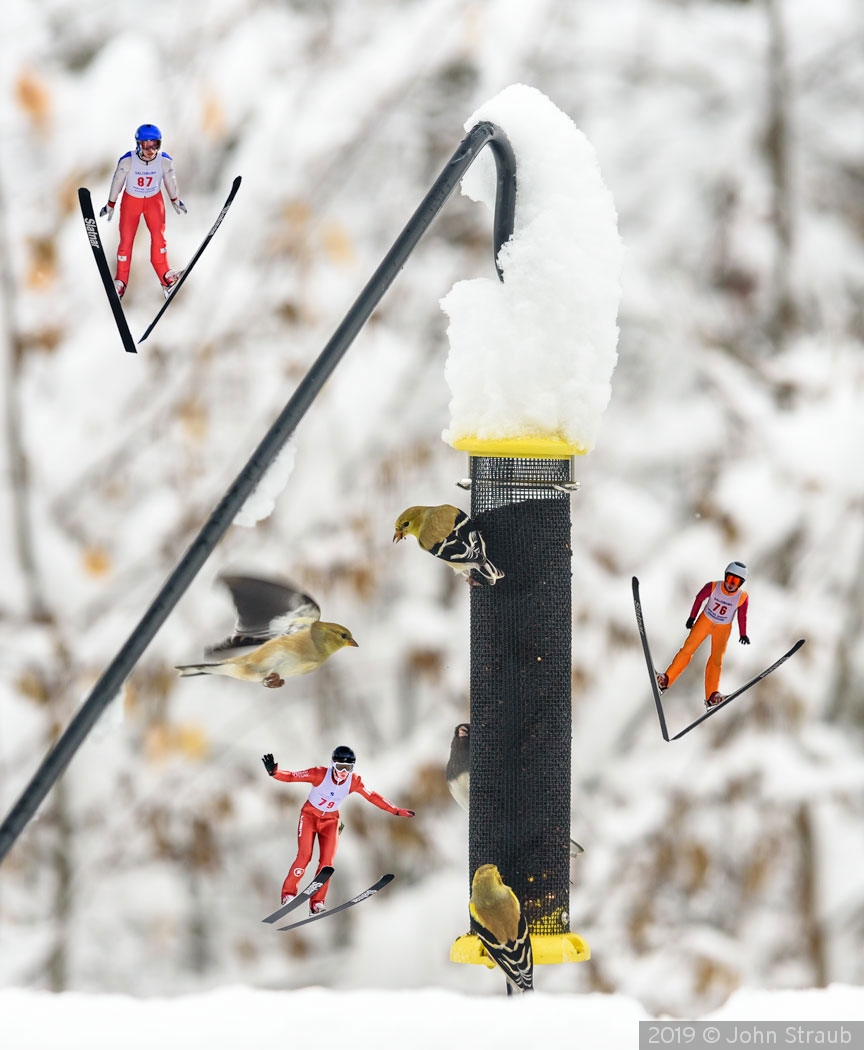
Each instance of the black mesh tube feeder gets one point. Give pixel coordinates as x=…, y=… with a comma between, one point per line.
x=521, y=688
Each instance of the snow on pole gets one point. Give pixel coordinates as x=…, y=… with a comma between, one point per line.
x=531, y=356
x=262, y=500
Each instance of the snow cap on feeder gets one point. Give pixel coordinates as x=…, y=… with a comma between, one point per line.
x=531, y=357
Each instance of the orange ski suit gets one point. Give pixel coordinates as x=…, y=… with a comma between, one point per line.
x=706, y=627
x=323, y=825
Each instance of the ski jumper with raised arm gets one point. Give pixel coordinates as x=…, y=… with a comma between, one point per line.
x=715, y=621
x=141, y=184
x=319, y=818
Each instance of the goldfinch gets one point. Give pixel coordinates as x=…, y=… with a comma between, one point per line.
x=449, y=534
x=458, y=773
x=287, y=622
x=497, y=919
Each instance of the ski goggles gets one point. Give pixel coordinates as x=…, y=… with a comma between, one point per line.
x=343, y=765
x=733, y=581
x=150, y=144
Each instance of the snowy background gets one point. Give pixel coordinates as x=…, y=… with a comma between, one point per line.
x=730, y=137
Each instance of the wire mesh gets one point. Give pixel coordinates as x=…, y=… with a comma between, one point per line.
x=520, y=685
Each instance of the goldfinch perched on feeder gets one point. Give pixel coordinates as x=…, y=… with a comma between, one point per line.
x=449, y=534
x=497, y=919
x=287, y=622
x=458, y=773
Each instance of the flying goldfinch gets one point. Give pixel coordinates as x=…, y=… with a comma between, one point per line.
x=449, y=534
x=497, y=919
x=458, y=773
x=287, y=622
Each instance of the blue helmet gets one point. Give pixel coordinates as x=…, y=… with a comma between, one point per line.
x=147, y=133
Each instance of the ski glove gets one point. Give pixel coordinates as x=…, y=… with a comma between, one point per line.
x=690, y=622
x=107, y=211
x=743, y=640
x=178, y=206
x=269, y=764
x=404, y=812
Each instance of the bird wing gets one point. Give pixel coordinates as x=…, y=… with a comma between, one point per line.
x=462, y=544
x=514, y=957
x=436, y=524
x=265, y=609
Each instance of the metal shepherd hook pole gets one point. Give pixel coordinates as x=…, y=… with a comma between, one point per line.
x=111, y=681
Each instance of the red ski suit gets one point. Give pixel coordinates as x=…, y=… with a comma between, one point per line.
x=322, y=823
x=131, y=210
x=140, y=181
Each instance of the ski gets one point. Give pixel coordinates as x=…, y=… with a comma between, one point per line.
x=90, y=226
x=309, y=891
x=175, y=288
x=741, y=689
x=385, y=880
x=652, y=674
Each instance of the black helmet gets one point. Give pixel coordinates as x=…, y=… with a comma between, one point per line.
x=343, y=754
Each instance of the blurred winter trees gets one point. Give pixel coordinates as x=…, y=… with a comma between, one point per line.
x=729, y=133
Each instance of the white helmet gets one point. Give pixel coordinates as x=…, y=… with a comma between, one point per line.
x=736, y=568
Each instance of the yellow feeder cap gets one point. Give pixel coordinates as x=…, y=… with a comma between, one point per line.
x=539, y=447
x=547, y=949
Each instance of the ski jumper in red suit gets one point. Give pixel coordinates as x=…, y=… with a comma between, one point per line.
x=141, y=183
x=721, y=608
x=319, y=818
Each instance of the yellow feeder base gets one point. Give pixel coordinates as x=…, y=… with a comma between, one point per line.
x=520, y=448
x=546, y=949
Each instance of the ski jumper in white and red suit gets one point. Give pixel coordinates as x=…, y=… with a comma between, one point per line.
x=319, y=818
x=141, y=183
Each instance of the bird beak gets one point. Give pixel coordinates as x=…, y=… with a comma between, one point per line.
x=352, y=642
x=398, y=535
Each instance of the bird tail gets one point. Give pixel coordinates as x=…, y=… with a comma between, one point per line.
x=486, y=574
x=190, y=670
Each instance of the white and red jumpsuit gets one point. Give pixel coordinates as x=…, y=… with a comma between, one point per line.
x=715, y=620
x=141, y=183
x=319, y=818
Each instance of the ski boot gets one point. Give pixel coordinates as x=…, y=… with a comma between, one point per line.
x=662, y=681
x=288, y=897
x=714, y=699
x=317, y=907
x=119, y=288
x=170, y=278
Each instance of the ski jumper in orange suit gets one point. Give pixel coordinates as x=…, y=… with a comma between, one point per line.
x=715, y=621
x=319, y=818
x=141, y=182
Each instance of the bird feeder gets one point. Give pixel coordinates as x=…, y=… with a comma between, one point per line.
x=531, y=356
